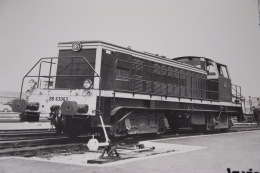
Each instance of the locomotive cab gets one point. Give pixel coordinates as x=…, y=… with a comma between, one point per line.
x=217, y=75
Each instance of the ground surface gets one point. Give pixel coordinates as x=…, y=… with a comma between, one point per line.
x=237, y=151
x=11, y=121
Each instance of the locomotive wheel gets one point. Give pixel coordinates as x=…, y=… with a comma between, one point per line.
x=58, y=124
x=162, y=124
x=70, y=127
x=225, y=130
x=173, y=122
x=200, y=128
x=22, y=117
x=28, y=117
x=140, y=122
x=230, y=124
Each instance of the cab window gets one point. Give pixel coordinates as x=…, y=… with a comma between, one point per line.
x=210, y=69
x=223, y=71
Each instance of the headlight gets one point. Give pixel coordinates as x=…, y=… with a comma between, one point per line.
x=31, y=83
x=87, y=84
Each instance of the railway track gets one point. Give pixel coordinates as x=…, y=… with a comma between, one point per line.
x=22, y=142
x=12, y=135
x=44, y=151
x=12, y=117
x=42, y=142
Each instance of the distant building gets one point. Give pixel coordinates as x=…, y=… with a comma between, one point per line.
x=251, y=102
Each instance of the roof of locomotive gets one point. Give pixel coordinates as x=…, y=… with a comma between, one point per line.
x=68, y=45
x=177, y=58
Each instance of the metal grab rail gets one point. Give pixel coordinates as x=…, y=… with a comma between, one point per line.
x=181, y=83
x=49, y=76
x=237, y=93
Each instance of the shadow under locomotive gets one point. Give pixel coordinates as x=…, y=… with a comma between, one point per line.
x=132, y=92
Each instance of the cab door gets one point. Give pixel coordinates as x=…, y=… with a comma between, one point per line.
x=225, y=93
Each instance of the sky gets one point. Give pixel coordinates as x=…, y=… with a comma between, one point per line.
x=225, y=31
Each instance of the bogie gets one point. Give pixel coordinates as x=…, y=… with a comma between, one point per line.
x=130, y=122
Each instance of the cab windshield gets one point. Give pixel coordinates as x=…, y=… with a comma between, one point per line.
x=72, y=72
x=223, y=71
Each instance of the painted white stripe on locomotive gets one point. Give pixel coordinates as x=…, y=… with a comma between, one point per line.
x=165, y=61
x=163, y=98
x=98, y=66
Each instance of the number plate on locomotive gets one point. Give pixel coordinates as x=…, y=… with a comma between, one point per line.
x=58, y=98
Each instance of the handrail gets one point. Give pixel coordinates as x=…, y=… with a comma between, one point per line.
x=237, y=95
x=49, y=76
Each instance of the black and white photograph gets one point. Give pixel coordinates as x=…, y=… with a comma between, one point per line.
x=130, y=86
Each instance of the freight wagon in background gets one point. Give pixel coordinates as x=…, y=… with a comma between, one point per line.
x=134, y=92
x=249, y=103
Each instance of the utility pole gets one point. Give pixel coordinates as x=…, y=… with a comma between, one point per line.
x=259, y=10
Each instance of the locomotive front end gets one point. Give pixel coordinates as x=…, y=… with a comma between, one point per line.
x=66, y=88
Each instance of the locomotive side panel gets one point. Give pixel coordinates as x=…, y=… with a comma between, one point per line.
x=142, y=76
x=212, y=89
x=123, y=72
x=225, y=88
x=107, y=70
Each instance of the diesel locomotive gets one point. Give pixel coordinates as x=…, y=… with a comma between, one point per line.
x=133, y=92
